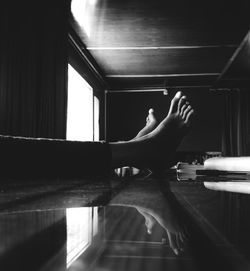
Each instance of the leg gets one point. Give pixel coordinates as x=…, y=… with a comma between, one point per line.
x=54, y=158
x=155, y=149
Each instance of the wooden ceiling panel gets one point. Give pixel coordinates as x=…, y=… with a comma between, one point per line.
x=162, y=62
x=119, y=23
x=126, y=83
x=135, y=83
x=143, y=42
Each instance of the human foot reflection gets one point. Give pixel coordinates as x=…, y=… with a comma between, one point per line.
x=156, y=209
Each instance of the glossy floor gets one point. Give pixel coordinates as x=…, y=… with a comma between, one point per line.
x=123, y=224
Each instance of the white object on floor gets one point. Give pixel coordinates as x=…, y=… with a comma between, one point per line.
x=228, y=163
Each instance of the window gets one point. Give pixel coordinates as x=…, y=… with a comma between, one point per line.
x=83, y=109
x=96, y=119
x=82, y=125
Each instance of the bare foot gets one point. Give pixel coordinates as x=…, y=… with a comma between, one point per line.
x=155, y=150
x=159, y=146
x=151, y=124
x=177, y=122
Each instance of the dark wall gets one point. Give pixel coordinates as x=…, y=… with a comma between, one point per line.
x=126, y=114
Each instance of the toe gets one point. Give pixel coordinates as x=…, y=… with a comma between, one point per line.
x=149, y=223
x=149, y=229
x=182, y=110
x=151, y=116
x=178, y=95
x=175, y=101
x=151, y=111
x=185, y=112
x=181, y=102
x=189, y=115
x=172, y=242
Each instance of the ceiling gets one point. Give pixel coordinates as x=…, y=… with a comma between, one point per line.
x=142, y=44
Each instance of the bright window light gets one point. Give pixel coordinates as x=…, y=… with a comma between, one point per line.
x=96, y=119
x=80, y=108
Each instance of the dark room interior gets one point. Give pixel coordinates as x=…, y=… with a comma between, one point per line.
x=125, y=135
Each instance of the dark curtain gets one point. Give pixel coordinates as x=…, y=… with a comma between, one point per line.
x=235, y=142
x=236, y=134
x=33, y=68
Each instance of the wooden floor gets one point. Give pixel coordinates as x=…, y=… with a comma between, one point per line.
x=105, y=224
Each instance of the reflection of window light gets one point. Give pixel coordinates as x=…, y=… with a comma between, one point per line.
x=237, y=187
x=83, y=12
x=95, y=220
x=80, y=108
x=79, y=227
x=96, y=119
x=82, y=224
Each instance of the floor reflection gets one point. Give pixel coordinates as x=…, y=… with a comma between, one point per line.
x=139, y=224
x=82, y=226
x=236, y=186
x=29, y=240
x=148, y=213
